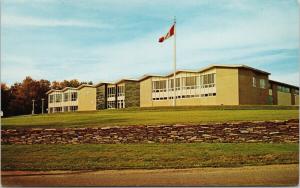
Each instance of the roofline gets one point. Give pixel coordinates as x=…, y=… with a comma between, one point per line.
x=123, y=80
x=295, y=87
x=232, y=66
x=84, y=85
x=60, y=90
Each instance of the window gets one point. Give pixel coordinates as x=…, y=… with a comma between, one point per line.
x=58, y=109
x=171, y=84
x=253, y=81
x=74, y=96
x=297, y=92
x=58, y=98
x=262, y=83
x=270, y=92
x=189, y=82
x=121, y=90
x=121, y=104
x=51, y=98
x=111, y=104
x=283, y=89
x=111, y=92
x=207, y=80
x=66, y=109
x=66, y=97
x=159, y=86
x=51, y=110
x=73, y=108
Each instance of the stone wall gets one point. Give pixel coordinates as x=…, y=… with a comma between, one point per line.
x=132, y=94
x=101, y=97
x=268, y=132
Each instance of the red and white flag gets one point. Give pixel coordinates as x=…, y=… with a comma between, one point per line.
x=168, y=35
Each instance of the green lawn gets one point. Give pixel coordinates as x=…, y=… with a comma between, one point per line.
x=144, y=156
x=154, y=116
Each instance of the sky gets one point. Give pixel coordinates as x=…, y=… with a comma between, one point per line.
x=107, y=40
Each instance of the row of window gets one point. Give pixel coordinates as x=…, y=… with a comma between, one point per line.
x=283, y=89
x=58, y=97
x=112, y=104
x=185, y=96
x=63, y=109
x=191, y=82
x=111, y=91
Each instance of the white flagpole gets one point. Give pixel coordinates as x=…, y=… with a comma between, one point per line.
x=174, y=97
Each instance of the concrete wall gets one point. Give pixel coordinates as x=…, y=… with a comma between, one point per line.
x=284, y=98
x=248, y=94
x=87, y=99
x=227, y=86
x=146, y=93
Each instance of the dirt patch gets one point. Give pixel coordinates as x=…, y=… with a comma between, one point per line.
x=275, y=175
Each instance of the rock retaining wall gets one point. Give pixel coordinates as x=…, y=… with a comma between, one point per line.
x=268, y=132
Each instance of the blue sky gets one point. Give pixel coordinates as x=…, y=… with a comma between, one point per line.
x=106, y=40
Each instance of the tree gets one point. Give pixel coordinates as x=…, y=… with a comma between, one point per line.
x=17, y=100
x=23, y=94
x=5, y=98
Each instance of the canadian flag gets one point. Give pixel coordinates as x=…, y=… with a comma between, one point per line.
x=168, y=35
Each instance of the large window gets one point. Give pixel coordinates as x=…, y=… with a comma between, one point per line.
x=121, y=90
x=66, y=97
x=51, y=98
x=74, y=96
x=160, y=86
x=58, y=98
x=207, y=80
x=262, y=83
x=111, y=92
x=171, y=84
x=189, y=82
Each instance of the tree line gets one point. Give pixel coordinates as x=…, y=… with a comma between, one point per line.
x=17, y=99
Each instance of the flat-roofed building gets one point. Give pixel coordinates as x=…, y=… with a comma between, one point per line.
x=64, y=100
x=121, y=94
x=213, y=85
x=283, y=94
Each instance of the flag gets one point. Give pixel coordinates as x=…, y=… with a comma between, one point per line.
x=168, y=35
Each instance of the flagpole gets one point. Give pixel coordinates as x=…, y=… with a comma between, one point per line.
x=174, y=97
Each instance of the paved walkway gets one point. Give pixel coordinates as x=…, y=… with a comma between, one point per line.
x=252, y=175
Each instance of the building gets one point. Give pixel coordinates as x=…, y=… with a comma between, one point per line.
x=213, y=85
x=64, y=100
x=122, y=94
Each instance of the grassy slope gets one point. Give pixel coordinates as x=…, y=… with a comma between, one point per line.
x=145, y=156
x=186, y=115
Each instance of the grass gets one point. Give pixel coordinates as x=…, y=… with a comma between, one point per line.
x=145, y=156
x=154, y=116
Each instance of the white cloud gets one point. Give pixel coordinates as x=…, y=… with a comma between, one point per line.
x=21, y=21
